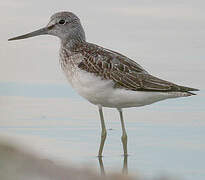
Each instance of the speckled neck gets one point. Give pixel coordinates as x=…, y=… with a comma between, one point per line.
x=74, y=39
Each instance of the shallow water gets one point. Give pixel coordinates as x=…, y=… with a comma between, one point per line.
x=164, y=138
x=166, y=38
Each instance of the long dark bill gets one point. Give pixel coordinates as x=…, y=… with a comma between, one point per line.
x=41, y=31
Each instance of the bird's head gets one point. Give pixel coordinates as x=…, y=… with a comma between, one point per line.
x=64, y=25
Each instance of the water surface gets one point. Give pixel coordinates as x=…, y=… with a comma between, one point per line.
x=165, y=138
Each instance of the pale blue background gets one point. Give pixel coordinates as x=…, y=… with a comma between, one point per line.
x=40, y=110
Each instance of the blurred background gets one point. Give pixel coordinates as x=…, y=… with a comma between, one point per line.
x=39, y=109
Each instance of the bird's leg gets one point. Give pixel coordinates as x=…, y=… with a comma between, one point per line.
x=103, y=132
x=124, y=134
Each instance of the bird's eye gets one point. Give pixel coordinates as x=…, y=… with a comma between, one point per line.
x=62, y=21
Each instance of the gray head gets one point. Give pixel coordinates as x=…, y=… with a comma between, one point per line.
x=64, y=25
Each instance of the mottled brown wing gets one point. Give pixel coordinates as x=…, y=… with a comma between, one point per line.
x=123, y=71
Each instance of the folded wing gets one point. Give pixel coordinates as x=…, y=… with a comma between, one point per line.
x=124, y=72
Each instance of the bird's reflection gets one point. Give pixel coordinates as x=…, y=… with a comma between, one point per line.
x=124, y=169
x=102, y=169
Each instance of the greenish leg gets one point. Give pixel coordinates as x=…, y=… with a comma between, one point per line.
x=124, y=134
x=103, y=132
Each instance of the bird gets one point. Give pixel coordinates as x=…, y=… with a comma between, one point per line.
x=102, y=76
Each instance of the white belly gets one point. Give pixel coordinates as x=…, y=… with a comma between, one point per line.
x=101, y=92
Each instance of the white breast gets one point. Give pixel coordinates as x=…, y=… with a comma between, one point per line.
x=92, y=88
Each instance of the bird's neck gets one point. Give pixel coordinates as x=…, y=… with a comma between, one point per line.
x=74, y=38
x=72, y=44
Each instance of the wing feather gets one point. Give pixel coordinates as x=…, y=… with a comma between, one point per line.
x=124, y=72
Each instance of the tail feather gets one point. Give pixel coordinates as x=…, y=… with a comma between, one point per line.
x=187, y=89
